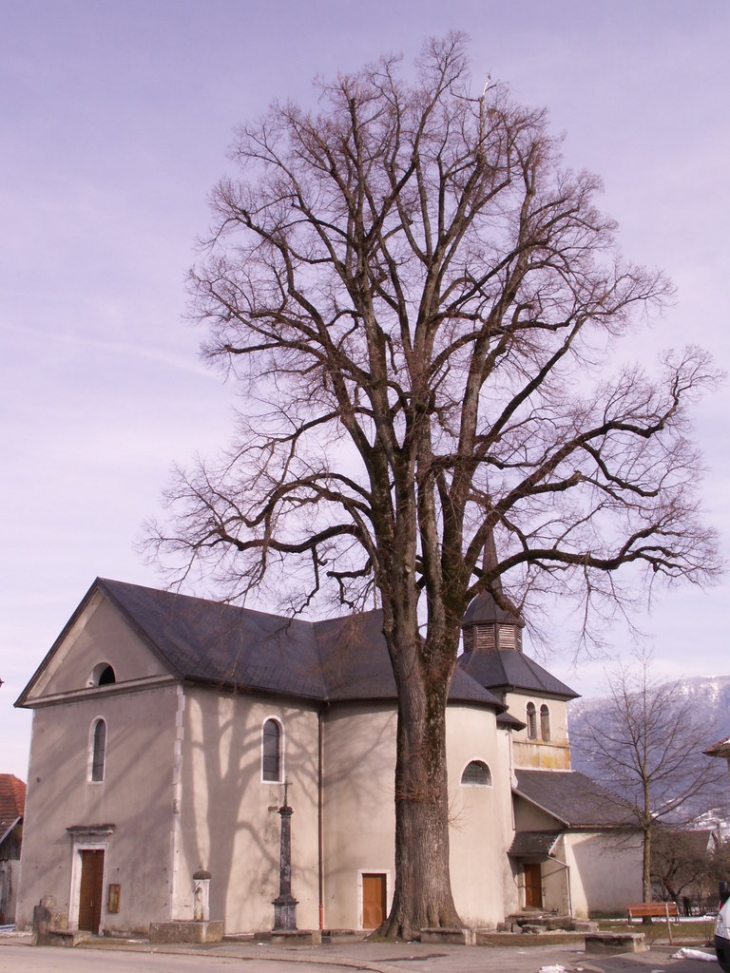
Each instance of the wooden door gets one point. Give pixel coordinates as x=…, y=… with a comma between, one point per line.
x=374, y=900
x=533, y=886
x=92, y=890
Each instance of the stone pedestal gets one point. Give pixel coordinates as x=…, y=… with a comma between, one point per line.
x=285, y=913
x=201, y=896
x=50, y=927
x=610, y=943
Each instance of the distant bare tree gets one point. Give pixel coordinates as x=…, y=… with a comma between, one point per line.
x=413, y=295
x=645, y=744
x=682, y=863
x=720, y=865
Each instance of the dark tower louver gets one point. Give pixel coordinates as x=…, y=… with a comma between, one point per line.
x=492, y=622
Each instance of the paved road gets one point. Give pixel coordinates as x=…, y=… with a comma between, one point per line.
x=17, y=956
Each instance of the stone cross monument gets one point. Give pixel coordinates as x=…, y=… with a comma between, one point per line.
x=285, y=906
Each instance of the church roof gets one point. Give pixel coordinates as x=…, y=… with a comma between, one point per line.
x=508, y=721
x=508, y=669
x=573, y=799
x=484, y=610
x=211, y=642
x=203, y=641
x=534, y=844
x=356, y=664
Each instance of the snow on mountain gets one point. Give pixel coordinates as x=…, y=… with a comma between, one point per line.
x=711, y=696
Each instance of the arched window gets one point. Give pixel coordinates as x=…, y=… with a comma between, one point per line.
x=271, y=754
x=98, y=750
x=102, y=675
x=477, y=774
x=106, y=676
x=531, y=722
x=545, y=723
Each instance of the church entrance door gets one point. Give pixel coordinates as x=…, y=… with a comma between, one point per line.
x=533, y=886
x=92, y=890
x=374, y=900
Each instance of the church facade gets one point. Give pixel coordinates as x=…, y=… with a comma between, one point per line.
x=165, y=726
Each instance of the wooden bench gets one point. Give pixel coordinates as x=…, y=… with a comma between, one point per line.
x=654, y=910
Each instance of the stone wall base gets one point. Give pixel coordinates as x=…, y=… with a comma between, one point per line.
x=61, y=937
x=449, y=937
x=186, y=931
x=296, y=937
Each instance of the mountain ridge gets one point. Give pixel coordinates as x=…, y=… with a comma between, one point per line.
x=711, y=695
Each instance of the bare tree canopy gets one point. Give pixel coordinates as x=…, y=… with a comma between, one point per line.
x=682, y=866
x=646, y=745
x=413, y=296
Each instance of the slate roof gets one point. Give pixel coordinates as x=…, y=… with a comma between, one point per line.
x=356, y=665
x=698, y=841
x=719, y=749
x=206, y=641
x=533, y=844
x=12, y=803
x=507, y=669
x=484, y=610
x=340, y=659
x=573, y=799
x=510, y=721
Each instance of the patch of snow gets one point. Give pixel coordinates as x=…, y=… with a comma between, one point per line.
x=686, y=952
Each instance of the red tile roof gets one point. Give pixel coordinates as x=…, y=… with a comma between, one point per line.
x=12, y=801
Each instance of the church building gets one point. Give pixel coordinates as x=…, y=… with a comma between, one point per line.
x=165, y=726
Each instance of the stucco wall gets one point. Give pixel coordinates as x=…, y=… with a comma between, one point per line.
x=359, y=815
x=511, y=887
x=605, y=870
x=553, y=754
x=557, y=881
x=531, y=818
x=135, y=796
x=478, y=835
x=229, y=824
x=100, y=634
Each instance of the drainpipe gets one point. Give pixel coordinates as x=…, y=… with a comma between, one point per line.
x=320, y=813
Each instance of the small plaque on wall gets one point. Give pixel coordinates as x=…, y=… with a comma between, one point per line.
x=115, y=894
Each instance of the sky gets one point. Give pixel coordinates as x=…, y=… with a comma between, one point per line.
x=116, y=116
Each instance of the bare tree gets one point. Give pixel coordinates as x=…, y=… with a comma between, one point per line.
x=682, y=861
x=719, y=870
x=412, y=294
x=645, y=744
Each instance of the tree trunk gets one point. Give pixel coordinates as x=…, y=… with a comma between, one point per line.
x=422, y=895
x=646, y=871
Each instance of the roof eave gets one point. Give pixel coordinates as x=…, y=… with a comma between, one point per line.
x=20, y=702
x=233, y=687
x=9, y=830
x=541, y=807
x=139, y=630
